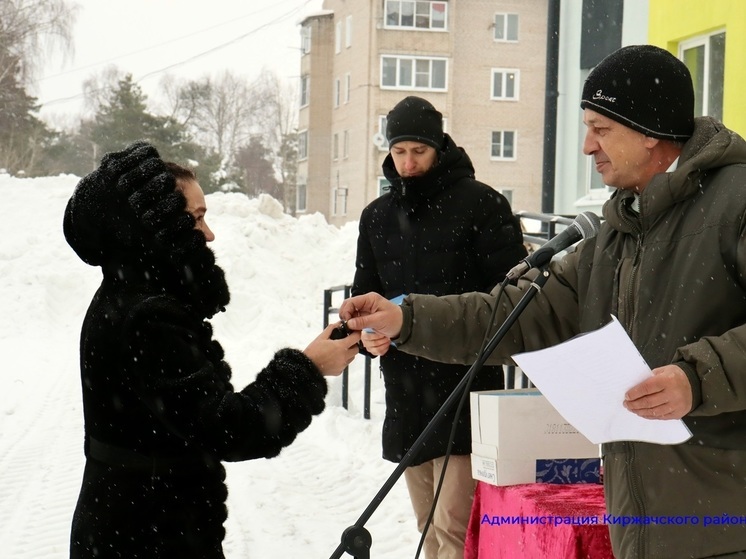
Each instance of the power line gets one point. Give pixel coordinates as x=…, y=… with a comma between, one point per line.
x=152, y=47
x=270, y=23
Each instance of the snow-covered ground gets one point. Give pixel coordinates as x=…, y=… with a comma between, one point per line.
x=295, y=505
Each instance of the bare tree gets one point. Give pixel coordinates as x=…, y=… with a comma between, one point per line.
x=277, y=124
x=219, y=111
x=98, y=89
x=28, y=28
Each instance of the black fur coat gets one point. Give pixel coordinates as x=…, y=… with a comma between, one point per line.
x=160, y=411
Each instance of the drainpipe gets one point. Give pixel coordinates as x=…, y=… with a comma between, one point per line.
x=550, y=107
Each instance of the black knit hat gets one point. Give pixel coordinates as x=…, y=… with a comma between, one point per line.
x=646, y=88
x=415, y=119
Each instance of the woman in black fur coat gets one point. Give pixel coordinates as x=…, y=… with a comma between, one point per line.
x=160, y=411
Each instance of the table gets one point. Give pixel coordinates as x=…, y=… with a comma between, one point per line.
x=538, y=521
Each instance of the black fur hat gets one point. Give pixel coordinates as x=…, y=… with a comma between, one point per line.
x=113, y=208
x=129, y=210
x=646, y=88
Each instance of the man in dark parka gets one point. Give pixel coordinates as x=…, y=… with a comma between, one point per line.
x=437, y=231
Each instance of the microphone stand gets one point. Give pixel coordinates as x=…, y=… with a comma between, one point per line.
x=356, y=539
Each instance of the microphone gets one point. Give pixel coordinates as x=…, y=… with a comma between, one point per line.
x=585, y=226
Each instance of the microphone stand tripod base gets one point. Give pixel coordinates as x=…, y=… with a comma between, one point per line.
x=356, y=541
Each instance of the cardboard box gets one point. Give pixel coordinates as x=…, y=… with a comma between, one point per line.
x=513, y=472
x=518, y=437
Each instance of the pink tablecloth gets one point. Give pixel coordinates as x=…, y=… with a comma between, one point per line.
x=538, y=521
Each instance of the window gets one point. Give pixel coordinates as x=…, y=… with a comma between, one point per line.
x=348, y=81
x=382, y=125
x=339, y=196
x=503, y=144
x=348, y=32
x=337, y=92
x=409, y=14
x=338, y=37
x=383, y=186
x=379, y=138
x=506, y=27
x=305, y=40
x=705, y=58
x=301, y=196
x=346, y=144
x=406, y=72
x=508, y=193
x=335, y=147
x=505, y=84
x=303, y=145
x=304, y=83
x=594, y=182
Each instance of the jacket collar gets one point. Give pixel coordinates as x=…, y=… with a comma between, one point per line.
x=411, y=192
x=711, y=146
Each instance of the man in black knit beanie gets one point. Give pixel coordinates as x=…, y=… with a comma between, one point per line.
x=440, y=231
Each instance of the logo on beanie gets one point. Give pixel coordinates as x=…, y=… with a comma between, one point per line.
x=600, y=96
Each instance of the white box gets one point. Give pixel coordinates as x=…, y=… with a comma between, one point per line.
x=512, y=429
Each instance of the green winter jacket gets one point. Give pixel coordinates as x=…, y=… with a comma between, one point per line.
x=675, y=276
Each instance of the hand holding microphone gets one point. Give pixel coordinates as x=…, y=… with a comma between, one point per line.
x=585, y=226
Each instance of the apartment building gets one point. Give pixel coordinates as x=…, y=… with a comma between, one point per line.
x=480, y=62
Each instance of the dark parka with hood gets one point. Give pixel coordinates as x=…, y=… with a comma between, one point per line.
x=441, y=233
x=160, y=411
x=675, y=276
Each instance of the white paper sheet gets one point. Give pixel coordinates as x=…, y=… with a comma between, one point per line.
x=586, y=378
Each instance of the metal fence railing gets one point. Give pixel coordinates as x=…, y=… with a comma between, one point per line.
x=331, y=309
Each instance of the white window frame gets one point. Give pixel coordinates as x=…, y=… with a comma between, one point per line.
x=348, y=32
x=384, y=145
x=301, y=196
x=303, y=145
x=416, y=5
x=348, y=87
x=382, y=124
x=339, y=200
x=501, y=156
x=345, y=144
x=305, y=90
x=338, y=37
x=337, y=92
x=702, y=84
x=335, y=146
x=502, y=25
x=305, y=39
x=594, y=183
x=505, y=73
x=414, y=61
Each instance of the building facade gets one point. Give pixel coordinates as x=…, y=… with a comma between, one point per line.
x=481, y=63
x=710, y=37
x=589, y=31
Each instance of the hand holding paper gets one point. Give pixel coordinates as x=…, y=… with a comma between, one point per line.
x=665, y=395
x=586, y=379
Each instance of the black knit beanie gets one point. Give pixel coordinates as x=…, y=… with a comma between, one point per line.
x=646, y=88
x=416, y=120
